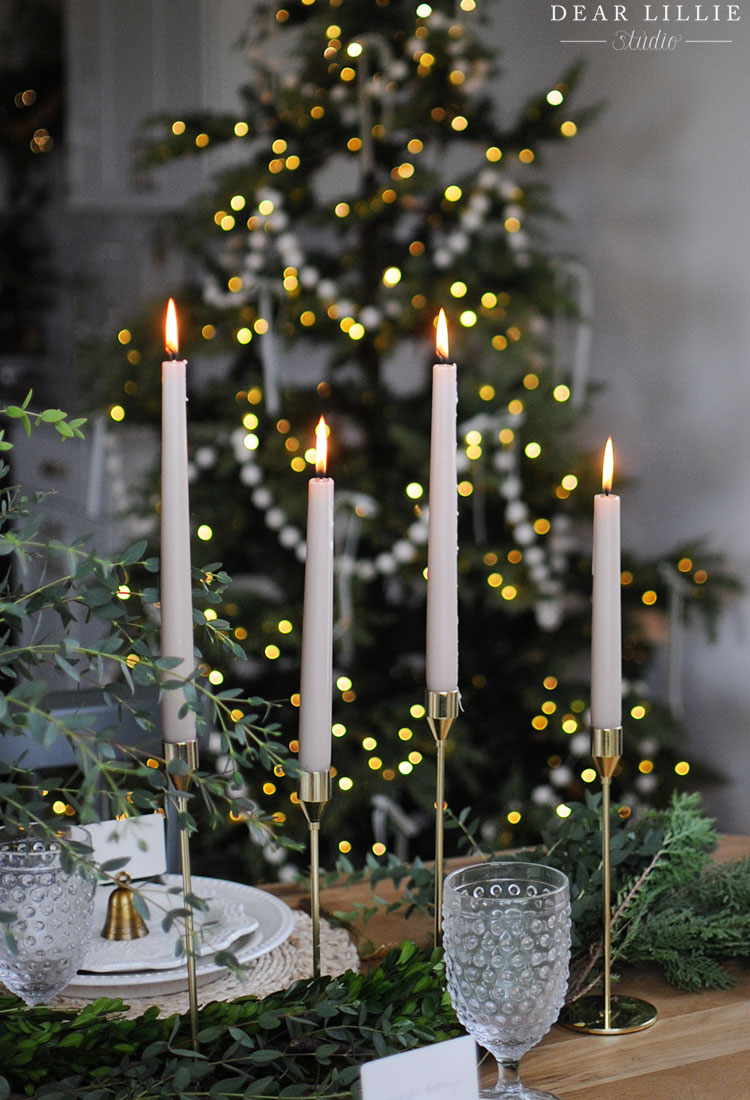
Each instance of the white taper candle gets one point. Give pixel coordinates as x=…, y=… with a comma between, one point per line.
x=606, y=630
x=442, y=546
x=316, y=686
x=176, y=582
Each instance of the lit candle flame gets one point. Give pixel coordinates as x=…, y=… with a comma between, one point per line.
x=608, y=466
x=171, y=339
x=441, y=336
x=321, y=448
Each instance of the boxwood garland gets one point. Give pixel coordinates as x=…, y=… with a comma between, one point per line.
x=305, y=1041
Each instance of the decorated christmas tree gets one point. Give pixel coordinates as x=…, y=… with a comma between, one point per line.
x=376, y=173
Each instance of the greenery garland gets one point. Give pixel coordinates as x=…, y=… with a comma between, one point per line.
x=675, y=911
x=306, y=1041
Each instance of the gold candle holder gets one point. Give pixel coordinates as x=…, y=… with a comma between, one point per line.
x=314, y=793
x=441, y=710
x=187, y=753
x=594, y=1014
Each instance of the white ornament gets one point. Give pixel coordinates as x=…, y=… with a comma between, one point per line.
x=262, y=498
x=370, y=317
x=385, y=563
x=471, y=220
x=289, y=537
x=548, y=614
x=543, y=796
x=458, y=242
x=286, y=241
x=516, y=511
x=504, y=460
x=560, y=777
x=275, y=518
x=205, y=458
x=479, y=202
x=580, y=744
x=403, y=551
x=511, y=487
x=250, y=475
x=524, y=534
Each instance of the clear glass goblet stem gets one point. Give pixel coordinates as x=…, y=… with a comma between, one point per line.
x=509, y=1085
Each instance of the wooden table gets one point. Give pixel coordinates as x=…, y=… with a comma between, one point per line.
x=699, y=1048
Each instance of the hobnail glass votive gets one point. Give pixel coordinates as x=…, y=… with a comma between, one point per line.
x=47, y=887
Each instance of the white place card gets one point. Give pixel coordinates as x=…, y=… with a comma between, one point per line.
x=444, y=1071
x=139, y=838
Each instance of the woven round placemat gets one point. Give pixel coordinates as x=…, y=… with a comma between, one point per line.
x=275, y=970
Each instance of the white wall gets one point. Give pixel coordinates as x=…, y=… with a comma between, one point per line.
x=656, y=195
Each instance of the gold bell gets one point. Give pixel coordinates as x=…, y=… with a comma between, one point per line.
x=123, y=921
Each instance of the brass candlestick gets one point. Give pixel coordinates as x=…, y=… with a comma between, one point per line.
x=442, y=710
x=605, y=1014
x=314, y=792
x=187, y=752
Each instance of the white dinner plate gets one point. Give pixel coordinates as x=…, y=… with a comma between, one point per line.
x=275, y=922
x=225, y=920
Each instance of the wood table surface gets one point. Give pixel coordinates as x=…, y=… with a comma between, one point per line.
x=698, y=1049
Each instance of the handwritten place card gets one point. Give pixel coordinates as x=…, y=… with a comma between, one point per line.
x=444, y=1071
x=140, y=839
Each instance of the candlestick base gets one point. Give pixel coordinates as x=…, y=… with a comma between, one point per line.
x=187, y=753
x=441, y=709
x=627, y=1014
x=314, y=793
x=605, y=1014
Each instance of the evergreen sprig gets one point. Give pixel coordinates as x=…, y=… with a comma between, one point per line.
x=674, y=910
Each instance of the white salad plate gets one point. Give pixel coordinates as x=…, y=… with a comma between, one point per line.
x=243, y=919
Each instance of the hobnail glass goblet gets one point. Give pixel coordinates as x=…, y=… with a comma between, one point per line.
x=506, y=935
x=53, y=902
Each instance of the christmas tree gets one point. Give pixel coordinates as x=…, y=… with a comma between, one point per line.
x=370, y=179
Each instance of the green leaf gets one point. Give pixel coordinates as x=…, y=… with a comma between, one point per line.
x=264, y=1057
x=134, y=553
